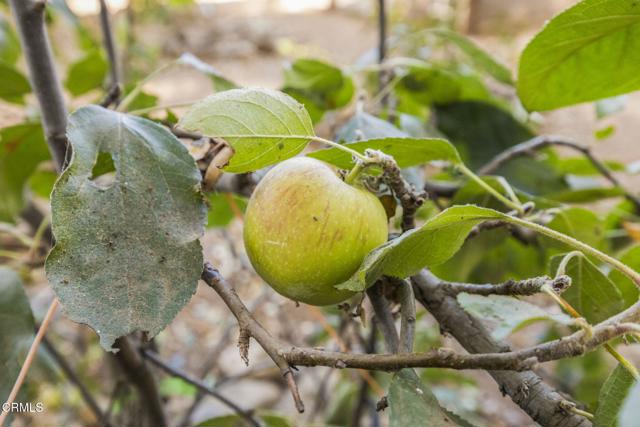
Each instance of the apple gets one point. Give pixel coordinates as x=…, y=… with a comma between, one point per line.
x=306, y=230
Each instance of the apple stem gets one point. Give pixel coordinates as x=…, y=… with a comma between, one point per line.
x=354, y=173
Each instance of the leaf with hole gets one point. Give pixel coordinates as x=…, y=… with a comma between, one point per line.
x=590, y=51
x=127, y=255
x=263, y=126
x=16, y=329
x=506, y=315
x=406, y=151
x=411, y=403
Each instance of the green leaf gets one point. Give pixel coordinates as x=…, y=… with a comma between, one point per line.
x=406, y=151
x=506, y=315
x=22, y=148
x=411, y=403
x=9, y=42
x=480, y=57
x=586, y=195
x=605, y=132
x=591, y=293
x=627, y=288
x=263, y=126
x=127, y=255
x=41, y=183
x=175, y=386
x=221, y=213
x=87, y=73
x=220, y=82
x=16, y=329
x=588, y=52
x=365, y=126
x=630, y=412
x=580, y=223
x=428, y=85
x=611, y=398
x=14, y=85
x=318, y=85
x=433, y=243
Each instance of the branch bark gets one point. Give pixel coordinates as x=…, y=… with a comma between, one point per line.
x=29, y=17
x=526, y=389
x=115, y=88
x=543, y=141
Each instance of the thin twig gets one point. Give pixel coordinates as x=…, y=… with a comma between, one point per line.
x=75, y=380
x=157, y=360
x=212, y=277
x=31, y=355
x=115, y=89
x=542, y=141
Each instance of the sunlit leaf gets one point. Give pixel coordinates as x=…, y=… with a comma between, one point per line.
x=263, y=126
x=9, y=42
x=87, y=74
x=588, y=52
x=14, y=84
x=127, y=255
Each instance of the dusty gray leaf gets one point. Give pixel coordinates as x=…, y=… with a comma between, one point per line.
x=127, y=255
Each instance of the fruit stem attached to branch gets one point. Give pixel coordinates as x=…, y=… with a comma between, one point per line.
x=509, y=203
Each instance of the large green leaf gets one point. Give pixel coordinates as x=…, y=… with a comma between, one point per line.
x=16, y=329
x=22, y=148
x=406, y=151
x=220, y=82
x=433, y=243
x=628, y=289
x=591, y=293
x=587, y=52
x=506, y=314
x=412, y=404
x=263, y=126
x=480, y=57
x=127, y=255
x=14, y=84
x=611, y=398
x=87, y=74
x=580, y=223
x=9, y=42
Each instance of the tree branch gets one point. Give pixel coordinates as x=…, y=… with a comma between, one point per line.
x=543, y=141
x=383, y=317
x=526, y=389
x=141, y=377
x=29, y=16
x=407, y=317
x=249, y=325
x=115, y=88
x=511, y=287
x=202, y=387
